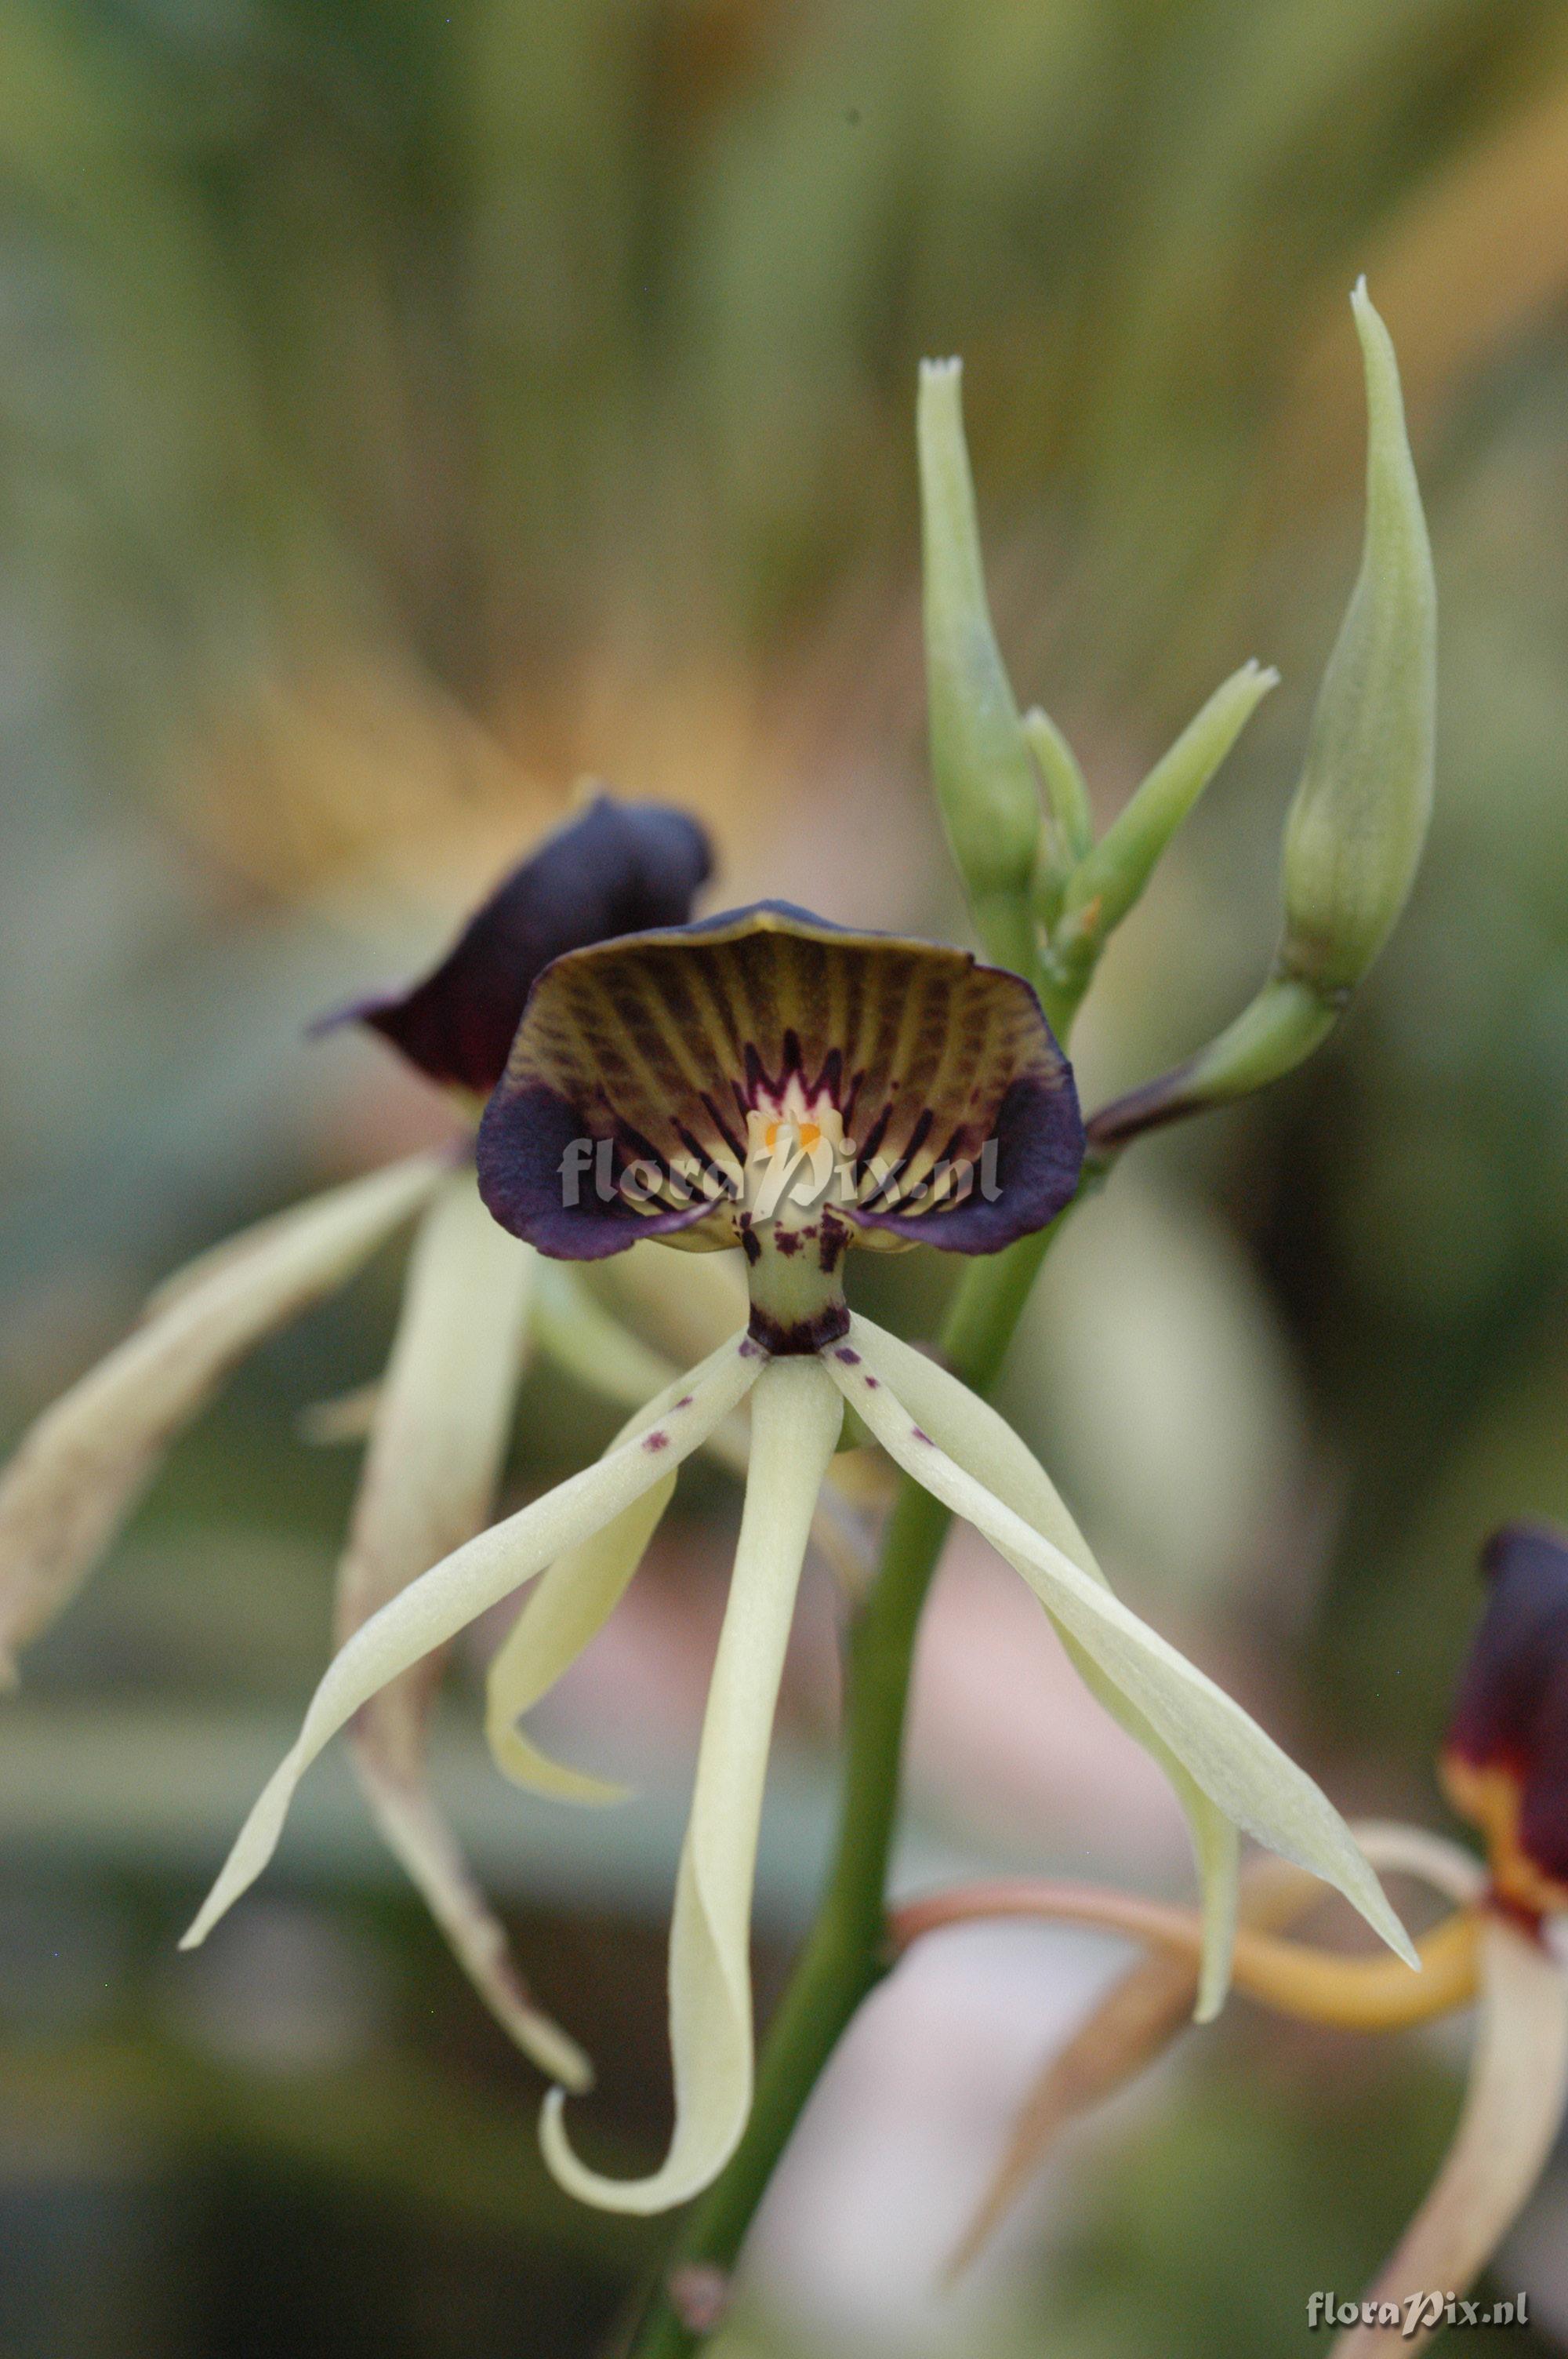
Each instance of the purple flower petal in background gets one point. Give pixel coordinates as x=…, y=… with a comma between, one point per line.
x=615, y=868
x=1504, y=1763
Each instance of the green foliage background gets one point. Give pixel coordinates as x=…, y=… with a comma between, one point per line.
x=405, y=403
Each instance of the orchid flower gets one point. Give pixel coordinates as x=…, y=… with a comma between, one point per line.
x=766, y=1079
x=474, y=1304
x=1504, y=1768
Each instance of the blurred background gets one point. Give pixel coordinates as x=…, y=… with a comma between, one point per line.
x=407, y=407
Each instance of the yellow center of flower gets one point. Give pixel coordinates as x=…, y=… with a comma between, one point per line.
x=797, y=1159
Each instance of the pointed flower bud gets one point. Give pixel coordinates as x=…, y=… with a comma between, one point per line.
x=1505, y=1763
x=613, y=869
x=980, y=755
x=1356, y=827
x=1356, y=830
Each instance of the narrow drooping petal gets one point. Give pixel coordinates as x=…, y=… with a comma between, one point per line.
x=1256, y=1784
x=437, y=1445
x=613, y=868
x=796, y=1422
x=1512, y=2113
x=562, y=1615
x=80, y=1469
x=974, y=1436
x=1146, y=2009
x=577, y=1596
x=568, y=1608
x=486, y=1568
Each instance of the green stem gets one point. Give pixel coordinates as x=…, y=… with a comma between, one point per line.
x=845, y=1955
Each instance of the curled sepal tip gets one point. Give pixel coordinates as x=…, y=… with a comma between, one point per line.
x=795, y=1418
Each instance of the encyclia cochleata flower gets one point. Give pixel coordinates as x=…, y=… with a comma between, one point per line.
x=1504, y=1768
x=473, y=1306
x=766, y=1078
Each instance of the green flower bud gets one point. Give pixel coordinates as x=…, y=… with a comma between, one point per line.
x=1111, y=877
x=1356, y=830
x=1359, y=819
x=979, y=756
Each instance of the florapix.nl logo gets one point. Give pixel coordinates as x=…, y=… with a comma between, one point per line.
x=792, y=1165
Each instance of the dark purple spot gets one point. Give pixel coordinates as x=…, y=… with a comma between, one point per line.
x=787, y=1242
x=850, y=1359
x=916, y=1435
x=800, y=1336
x=873, y=1385
x=751, y=1244
x=750, y=1350
x=655, y=1441
x=684, y=1402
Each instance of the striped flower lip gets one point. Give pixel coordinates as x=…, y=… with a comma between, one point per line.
x=767, y=1079
x=614, y=868
x=1504, y=1763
